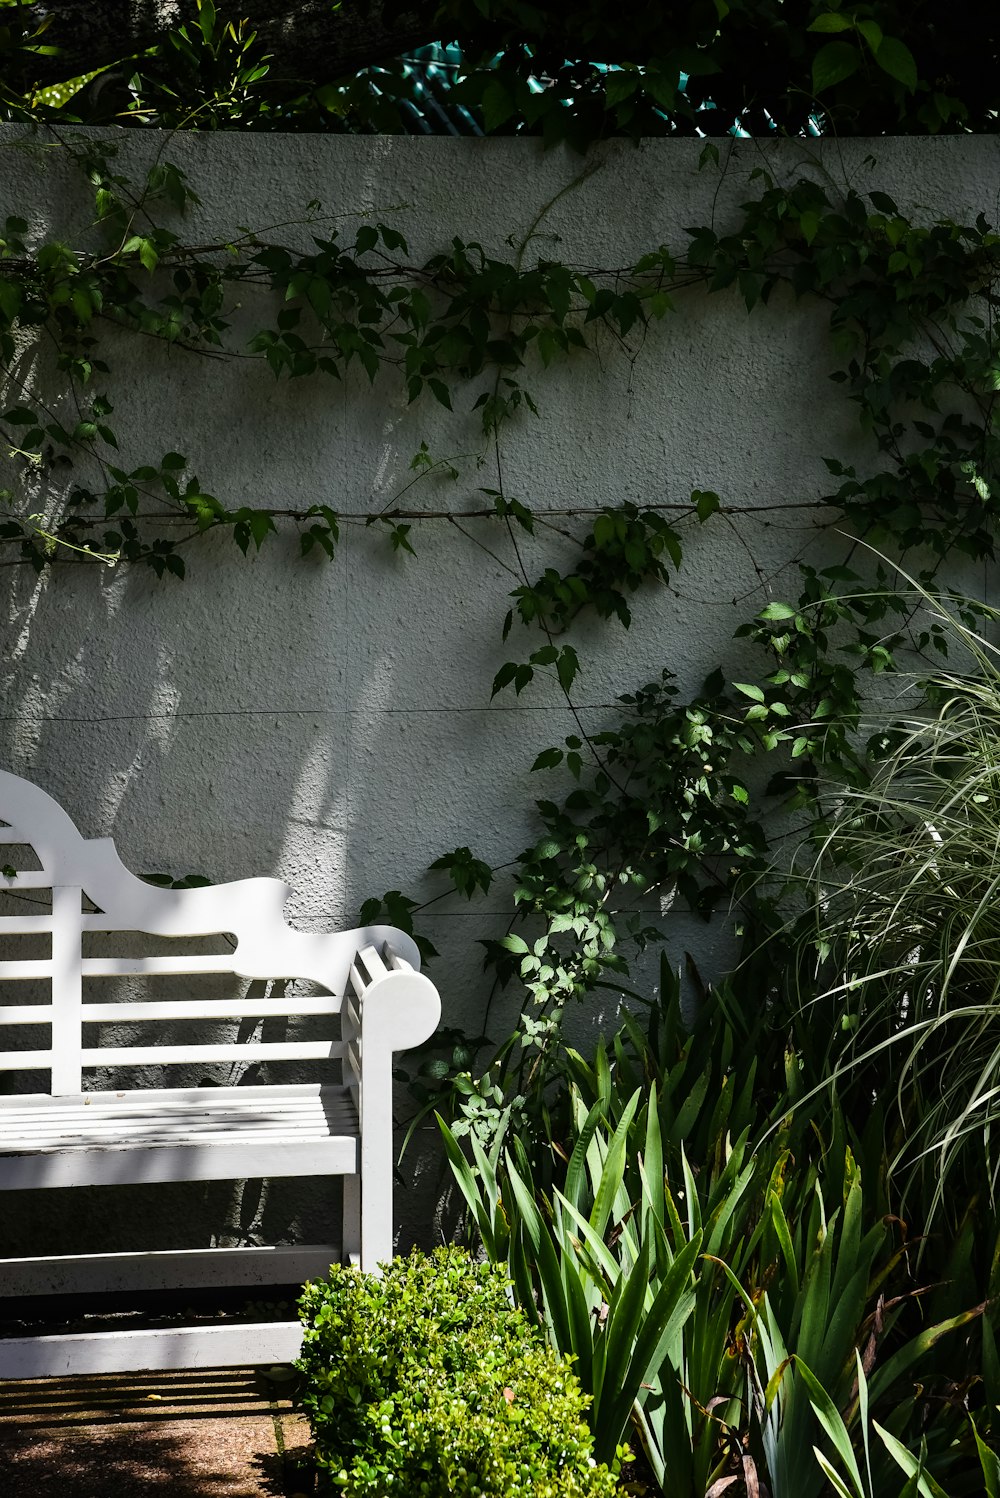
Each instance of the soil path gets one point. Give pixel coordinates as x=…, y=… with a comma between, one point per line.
x=218, y=1433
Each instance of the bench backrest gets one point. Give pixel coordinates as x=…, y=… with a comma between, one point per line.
x=77, y=901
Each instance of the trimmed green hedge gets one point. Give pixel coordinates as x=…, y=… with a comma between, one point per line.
x=428, y=1383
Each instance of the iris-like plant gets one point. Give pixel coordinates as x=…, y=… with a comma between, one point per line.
x=701, y=1283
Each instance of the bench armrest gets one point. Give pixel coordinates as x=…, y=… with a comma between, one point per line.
x=397, y=1007
x=392, y=1008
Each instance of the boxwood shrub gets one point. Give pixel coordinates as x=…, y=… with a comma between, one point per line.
x=428, y=1383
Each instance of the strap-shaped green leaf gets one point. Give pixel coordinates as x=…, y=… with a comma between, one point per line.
x=614, y=1169
x=911, y=1465
x=830, y=1418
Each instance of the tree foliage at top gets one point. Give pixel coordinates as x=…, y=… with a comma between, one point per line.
x=650, y=68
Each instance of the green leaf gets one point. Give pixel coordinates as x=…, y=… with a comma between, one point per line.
x=990, y=1464
x=10, y=299
x=832, y=64
x=896, y=59
x=469, y=1187
x=829, y=1417
x=497, y=104
x=614, y=1168
x=261, y=524
x=573, y=1186
x=809, y=224
x=705, y=502
x=913, y=1467
x=884, y=1377
x=872, y=33
x=658, y=1327
x=831, y=21
x=620, y=86
x=567, y=667
x=557, y=1311
x=147, y=255
x=548, y=759
x=777, y=611
x=833, y=1476
x=749, y=690
x=206, y=19
x=784, y=1237
x=504, y=677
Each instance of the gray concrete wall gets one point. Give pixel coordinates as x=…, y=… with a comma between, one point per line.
x=332, y=723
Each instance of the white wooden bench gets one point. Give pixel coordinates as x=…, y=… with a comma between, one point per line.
x=73, y=920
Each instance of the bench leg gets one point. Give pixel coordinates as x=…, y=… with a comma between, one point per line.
x=352, y=1220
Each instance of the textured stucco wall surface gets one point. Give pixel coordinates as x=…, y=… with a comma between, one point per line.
x=331, y=723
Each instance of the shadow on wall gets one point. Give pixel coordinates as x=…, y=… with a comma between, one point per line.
x=180, y=726
x=164, y=1216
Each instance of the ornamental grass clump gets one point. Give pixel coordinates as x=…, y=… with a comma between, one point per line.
x=902, y=943
x=428, y=1383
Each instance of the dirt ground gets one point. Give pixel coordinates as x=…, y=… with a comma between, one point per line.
x=217, y=1433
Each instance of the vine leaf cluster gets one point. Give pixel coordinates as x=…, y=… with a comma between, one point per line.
x=459, y=319
x=672, y=803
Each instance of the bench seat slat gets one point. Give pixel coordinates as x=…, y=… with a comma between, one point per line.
x=209, y=1133
x=245, y=1159
x=94, y=1123
x=75, y=1143
x=125, y=1107
x=108, y=1133
x=74, y=1114
x=25, y=1136
x=164, y=1097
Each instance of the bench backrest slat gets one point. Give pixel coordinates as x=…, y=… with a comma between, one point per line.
x=67, y=989
x=94, y=897
x=184, y=1055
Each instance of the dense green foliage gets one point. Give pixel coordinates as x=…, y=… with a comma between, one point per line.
x=715, y=1247
x=863, y=67
x=662, y=802
x=427, y=1383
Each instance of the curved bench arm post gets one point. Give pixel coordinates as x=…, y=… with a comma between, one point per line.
x=399, y=1009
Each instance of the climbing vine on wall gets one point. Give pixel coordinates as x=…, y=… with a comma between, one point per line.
x=669, y=800
x=461, y=317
